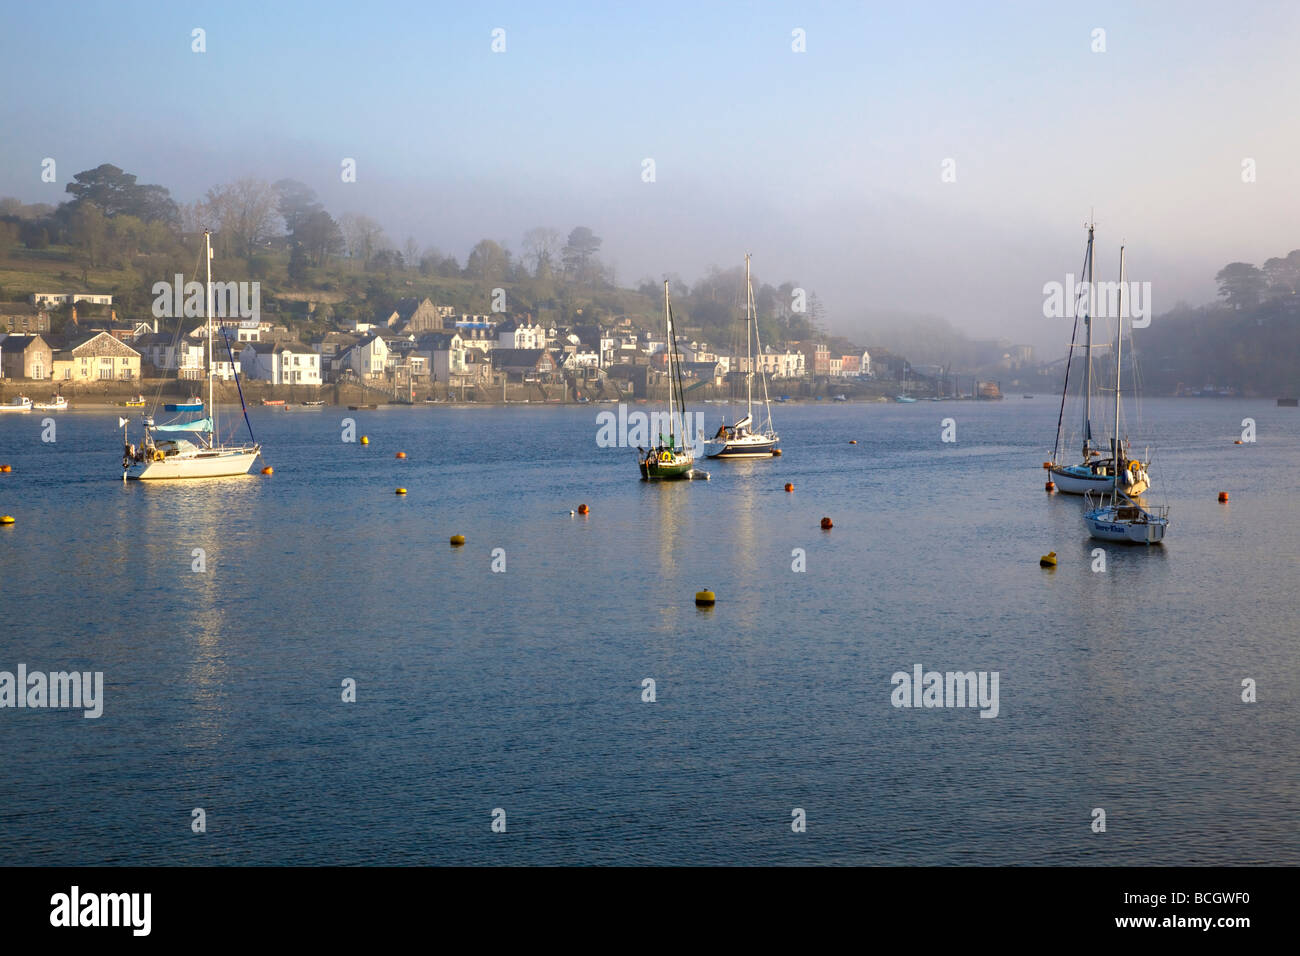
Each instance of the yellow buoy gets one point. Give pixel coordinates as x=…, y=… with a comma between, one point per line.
x=401, y=491
x=6, y=519
x=705, y=599
x=268, y=470
x=1048, y=560
x=457, y=540
x=365, y=440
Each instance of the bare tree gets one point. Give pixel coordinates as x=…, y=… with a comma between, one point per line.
x=542, y=246
x=364, y=236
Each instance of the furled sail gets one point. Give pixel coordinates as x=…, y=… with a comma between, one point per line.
x=202, y=425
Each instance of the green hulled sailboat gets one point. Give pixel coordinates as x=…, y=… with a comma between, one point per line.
x=671, y=457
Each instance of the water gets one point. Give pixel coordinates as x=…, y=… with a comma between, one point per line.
x=522, y=690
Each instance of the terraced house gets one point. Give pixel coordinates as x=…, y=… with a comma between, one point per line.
x=25, y=356
x=98, y=358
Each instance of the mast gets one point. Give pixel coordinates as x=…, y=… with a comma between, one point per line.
x=1087, y=351
x=1119, y=350
x=210, y=409
x=668, y=329
x=749, y=355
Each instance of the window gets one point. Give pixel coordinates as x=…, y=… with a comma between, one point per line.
x=106, y=373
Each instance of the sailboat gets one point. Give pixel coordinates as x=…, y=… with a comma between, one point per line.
x=1094, y=472
x=1120, y=516
x=672, y=457
x=200, y=455
x=904, y=398
x=741, y=440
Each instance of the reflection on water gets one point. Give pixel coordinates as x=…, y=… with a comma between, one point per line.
x=523, y=689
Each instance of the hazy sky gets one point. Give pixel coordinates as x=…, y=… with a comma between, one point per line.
x=825, y=164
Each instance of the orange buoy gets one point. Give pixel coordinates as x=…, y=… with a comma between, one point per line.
x=1049, y=487
x=400, y=454
x=1238, y=442
x=789, y=487
x=268, y=470
x=583, y=509
x=1223, y=496
x=853, y=441
x=827, y=524
x=776, y=453
x=6, y=468
x=1046, y=465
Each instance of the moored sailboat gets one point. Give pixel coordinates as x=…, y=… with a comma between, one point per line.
x=1095, y=472
x=1121, y=516
x=671, y=457
x=200, y=455
x=742, y=439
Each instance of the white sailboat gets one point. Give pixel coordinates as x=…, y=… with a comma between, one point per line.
x=742, y=439
x=1094, y=472
x=200, y=455
x=1120, y=516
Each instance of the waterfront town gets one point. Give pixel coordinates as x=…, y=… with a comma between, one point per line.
x=419, y=350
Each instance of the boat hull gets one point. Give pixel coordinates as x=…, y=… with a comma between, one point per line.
x=678, y=467
x=1103, y=526
x=1070, y=482
x=205, y=464
x=761, y=448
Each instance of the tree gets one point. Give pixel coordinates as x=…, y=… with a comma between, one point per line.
x=298, y=263
x=411, y=252
x=320, y=236
x=579, y=252
x=542, y=247
x=295, y=202
x=1241, y=284
x=116, y=193
x=487, y=261
x=1283, y=275
x=364, y=236
x=244, y=213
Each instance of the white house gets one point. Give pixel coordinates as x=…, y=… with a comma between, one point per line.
x=280, y=364
x=517, y=335
x=366, y=359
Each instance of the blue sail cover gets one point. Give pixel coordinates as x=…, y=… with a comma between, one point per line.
x=202, y=425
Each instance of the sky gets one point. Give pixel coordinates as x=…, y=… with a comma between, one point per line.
x=827, y=165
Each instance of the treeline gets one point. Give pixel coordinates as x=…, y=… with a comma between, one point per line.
x=283, y=236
